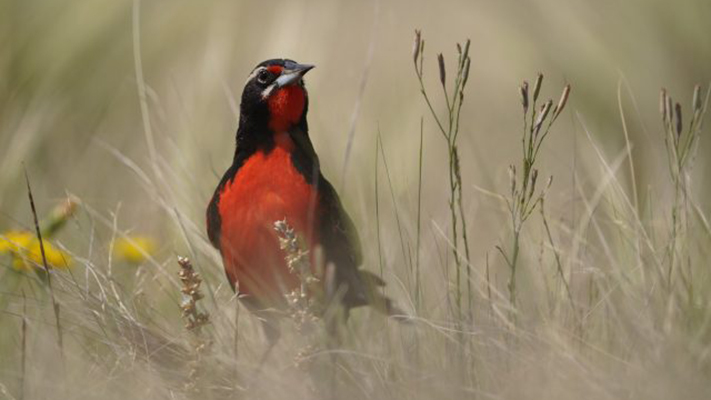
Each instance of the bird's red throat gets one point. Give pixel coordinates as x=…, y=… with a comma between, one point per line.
x=286, y=107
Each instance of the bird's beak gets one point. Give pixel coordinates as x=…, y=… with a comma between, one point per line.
x=292, y=74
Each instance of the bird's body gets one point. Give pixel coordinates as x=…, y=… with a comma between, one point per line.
x=276, y=176
x=266, y=188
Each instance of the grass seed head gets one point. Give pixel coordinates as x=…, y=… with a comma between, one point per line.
x=194, y=321
x=442, y=72
x=697, y=98
x=548, y=186
x=416, y=46
x=190, y=288
x=465, y=76
x=534, y=178
x=563, y=100
x=542, y=115
x=465, y=54
x=523, y=90
x=537, y=86
x=663, y=104
x=298, y=262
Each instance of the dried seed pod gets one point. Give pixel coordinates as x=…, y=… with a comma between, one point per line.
x=465, y=54
x=663, y=104
x=537, y=86
x=416, y=46
x=697, y=98
x=523, y=90
x=190, y=287
x=670, y=111
x=534, y=178
x=512, y=178
x=545, y=109
x=563, y=100
x=459, y=49
x=442, y=72
x=679, y=124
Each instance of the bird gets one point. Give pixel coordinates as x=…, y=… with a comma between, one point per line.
x=276, y=175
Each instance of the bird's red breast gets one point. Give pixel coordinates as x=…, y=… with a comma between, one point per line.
x=266, y=189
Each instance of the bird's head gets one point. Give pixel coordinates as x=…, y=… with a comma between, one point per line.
x=275, y=94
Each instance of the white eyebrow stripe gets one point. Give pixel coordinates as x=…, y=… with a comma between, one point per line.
x=255, y=72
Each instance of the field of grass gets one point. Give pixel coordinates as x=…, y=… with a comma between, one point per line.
x=592, y=285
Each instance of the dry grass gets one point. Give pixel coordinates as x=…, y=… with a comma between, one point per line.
x=131, y=107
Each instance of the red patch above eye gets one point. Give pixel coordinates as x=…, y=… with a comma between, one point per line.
x=275, y=69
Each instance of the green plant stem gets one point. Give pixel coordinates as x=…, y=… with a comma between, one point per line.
x=513, y=264
x=559, y=264
x=377, y=207
x=450, y=133
x=432, y=111
x=455, y=247
x=418, y=284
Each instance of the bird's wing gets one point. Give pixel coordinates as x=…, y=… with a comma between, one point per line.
x=342, y=248
x=339, y=238
x=338, y=233
x=214, y=221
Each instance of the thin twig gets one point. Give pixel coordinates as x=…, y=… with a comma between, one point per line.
x=418, y=284
x=55, y=305
x=559, y=265
x=361, y=91
x=23, y=349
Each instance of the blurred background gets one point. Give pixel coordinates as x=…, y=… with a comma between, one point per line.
x=68, y=90
x=72, y=114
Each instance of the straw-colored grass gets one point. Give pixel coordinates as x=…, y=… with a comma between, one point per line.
x=601, y=287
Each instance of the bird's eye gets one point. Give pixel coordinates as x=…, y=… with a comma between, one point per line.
x=263, y=77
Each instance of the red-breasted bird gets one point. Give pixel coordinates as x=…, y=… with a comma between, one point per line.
x=275, y=175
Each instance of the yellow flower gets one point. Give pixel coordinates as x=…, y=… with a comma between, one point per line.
x=27, y=253
x=134, y=249
x=14, y=241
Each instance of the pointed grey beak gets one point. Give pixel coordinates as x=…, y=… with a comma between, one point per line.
x=292, y=74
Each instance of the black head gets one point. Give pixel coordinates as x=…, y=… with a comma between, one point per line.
x=274, y=97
